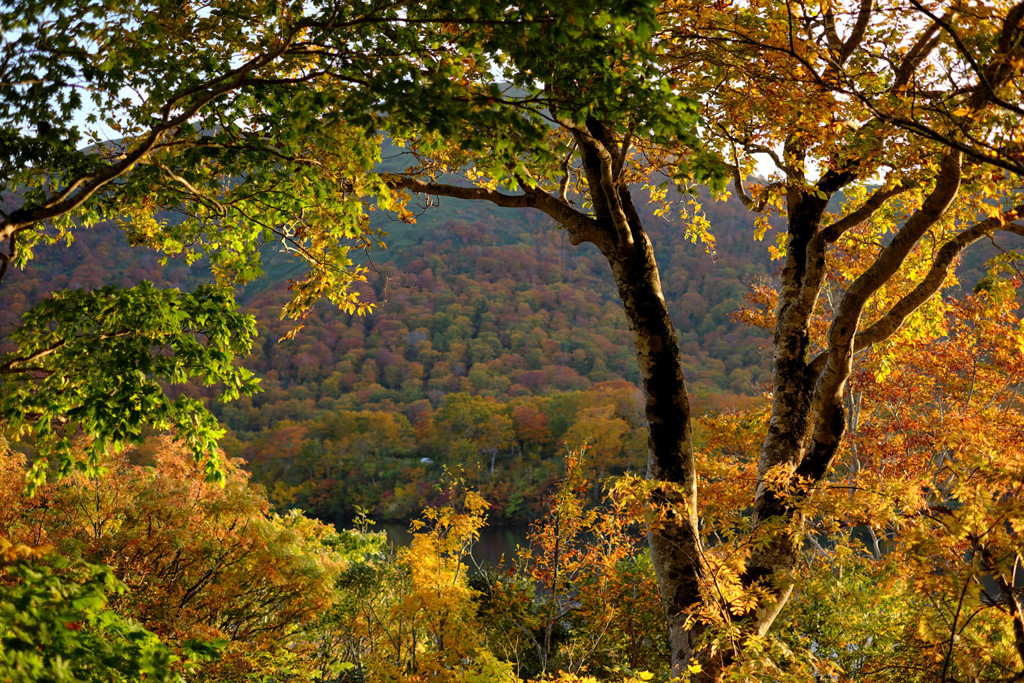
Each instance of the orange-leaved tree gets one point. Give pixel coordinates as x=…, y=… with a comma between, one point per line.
x=823, y=94
x=198, y=561
x=590, y=603
x=913, y=555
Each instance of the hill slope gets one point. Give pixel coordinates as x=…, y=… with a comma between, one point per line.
x=487, y=323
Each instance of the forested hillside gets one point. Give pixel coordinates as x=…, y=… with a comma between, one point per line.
x=491, y=341
x=493, y=346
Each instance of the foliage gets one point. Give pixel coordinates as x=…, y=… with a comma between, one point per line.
x=387, y=463
x=192, y=97
x=199, y=561
x=99, y=365
x=198, y=167
x=579, y=598
x=911, y=548
x=423, y=343
x=936, y=449
x=56, y=625
x=410, y=614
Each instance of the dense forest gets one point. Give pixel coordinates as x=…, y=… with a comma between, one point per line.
x=490, y=343
x=491, y=350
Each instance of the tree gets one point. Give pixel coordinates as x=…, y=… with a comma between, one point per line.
x=476, y=425
x=410, y=614
x=199, y=134
x=238, y=128
x=99, y=362
x=195, y=561
x=767, y=77
x=930, y=192
x=593, y=603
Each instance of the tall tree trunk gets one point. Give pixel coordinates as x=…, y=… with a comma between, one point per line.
x=792, y=388
x=675, y=543
x=675, y=540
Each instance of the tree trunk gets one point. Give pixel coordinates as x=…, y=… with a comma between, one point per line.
x=617, y=231
x=675, y=544
x=792, y=390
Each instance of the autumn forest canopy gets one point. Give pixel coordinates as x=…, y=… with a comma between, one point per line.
x=720, y=300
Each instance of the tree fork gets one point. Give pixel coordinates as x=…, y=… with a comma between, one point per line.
x=674, y=541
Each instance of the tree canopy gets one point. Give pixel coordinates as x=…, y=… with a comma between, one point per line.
x=892, y=153
x=223, y=131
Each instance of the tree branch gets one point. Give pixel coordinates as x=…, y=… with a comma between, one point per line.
x=563, y=185
x=599, y=141
x=886, y=326
x=835, y=43
x=581, y=227
x=924, y=45
x=756, y=205
x=827, y=398
x=859, y=28
x=895, y=253
x=5, y=259
x=866, y=210
x=221, y=209
x=10, y=367
x=81, y=189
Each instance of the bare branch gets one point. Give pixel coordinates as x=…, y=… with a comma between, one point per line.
x=5, y=259
x=597, y=142
x=747, y=200
x=221, y=209
x=926, y=131
x=835, y=43
x=622, y=154
x=756, y=205
x=13, y=366
x=563, y=185
x=926, y=42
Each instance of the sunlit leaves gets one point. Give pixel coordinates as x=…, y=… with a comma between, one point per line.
x=55, y=624
x=929, y=495
x=411, y=614
x=595, y=578
x=99, y=365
